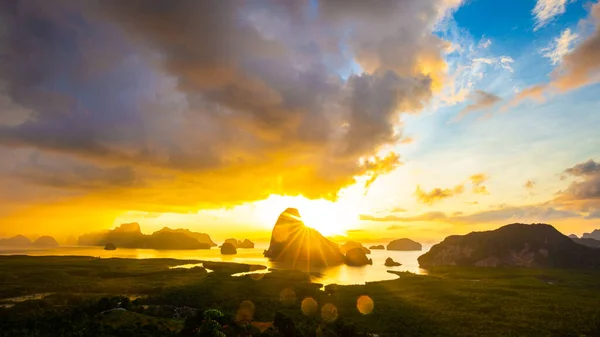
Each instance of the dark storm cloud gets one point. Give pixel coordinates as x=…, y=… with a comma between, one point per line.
x=255, y=95
x=43, y=171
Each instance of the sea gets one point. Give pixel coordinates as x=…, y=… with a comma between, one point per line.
x=342, y=274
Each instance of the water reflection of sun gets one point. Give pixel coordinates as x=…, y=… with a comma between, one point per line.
x=329, y=218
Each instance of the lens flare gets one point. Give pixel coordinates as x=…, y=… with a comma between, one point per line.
x=245, y=312
x=329, y=313
x=309, y=306
x=287, y=296
x=365, y=305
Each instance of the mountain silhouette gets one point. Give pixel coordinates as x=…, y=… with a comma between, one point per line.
x=296, y=245
x=240, y=244
x=129, y=235
x=595, y=234
x=45, y=241
x=520, y=245
x=592, y=243
x=404, y=244
x=202, y=237
x=16, y=241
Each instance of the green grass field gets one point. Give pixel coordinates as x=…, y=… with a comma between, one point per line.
x=448, y=302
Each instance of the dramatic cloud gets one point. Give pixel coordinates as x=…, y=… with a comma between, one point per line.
x=577, y=68
x=587, y=188
x=517, y=214
x=546, y=10
x=535, y=93
x=581, y=66
x=589, y=168
x=534, y=213
x=77, y=176
x=379, y=166
x=477, y=181
x=594, y=214
x=213, y=102
x=481, y=100
x=560, y=46
x=437, y=194
x=583, y=193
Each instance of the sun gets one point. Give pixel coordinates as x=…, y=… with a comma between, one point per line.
x=329, y=218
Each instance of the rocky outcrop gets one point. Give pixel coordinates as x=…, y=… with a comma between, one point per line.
x=232, y=242
x=246, y=244
x=45, y=241
x=351, y=245
x=201, y=237
x=16, y=241
x=389, y=262
x=404, y=244
x=110, y=246
x=520, y=245
x=130, y=236
x=228, y=249
x=295, y=245
x=357, y=257
x=595, y=234
x=123, y=236
x=588, y=242
x=377, y=247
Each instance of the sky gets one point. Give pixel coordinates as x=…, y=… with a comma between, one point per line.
x=376, y=120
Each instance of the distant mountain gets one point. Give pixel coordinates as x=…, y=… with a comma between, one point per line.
x=247, y=244
x=166, y=240
x=573, y=236
x=201, y=237
x=595, y=234
x=16, y=241
x=588, y=242
x=93, y=239
x=294, y=244
x=404, y=244
x=240, y=244
x=45, y=241
x=353, y=244
x=130, y=236
x=535, y=245
x=377, y=247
